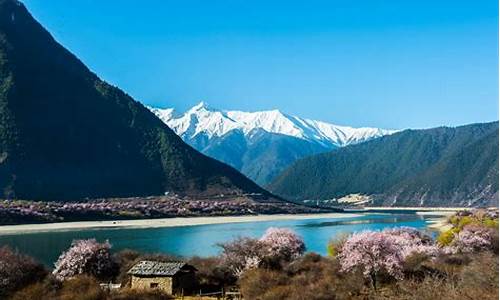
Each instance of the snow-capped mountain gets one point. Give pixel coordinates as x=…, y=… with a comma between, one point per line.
x=201, y=119
x=260, y=144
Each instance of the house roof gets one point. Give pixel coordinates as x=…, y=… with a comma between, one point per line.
x=157, y=268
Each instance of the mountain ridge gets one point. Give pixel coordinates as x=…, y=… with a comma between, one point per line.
x=259, y=144
x=439, y=166
x=51, y=150
x=202, y=118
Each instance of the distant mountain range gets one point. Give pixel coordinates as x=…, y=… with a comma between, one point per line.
x=260, y=144
x=65, y=134
x=433, y=167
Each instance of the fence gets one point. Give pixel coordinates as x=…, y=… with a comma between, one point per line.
x=219, y=295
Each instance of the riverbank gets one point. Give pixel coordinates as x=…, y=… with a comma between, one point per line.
x=440, y=224
x=14, y=212
x=164, y=222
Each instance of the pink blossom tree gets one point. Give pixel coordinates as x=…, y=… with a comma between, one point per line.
x=412, y=241
x=85, y=257
x=282, y=245
x=372, y=252
x=276, y=246
x=387, y=250
x=242, y=254
x=472, y=238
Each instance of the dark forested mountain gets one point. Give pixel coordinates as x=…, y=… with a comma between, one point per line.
x=433, y=167
x=66, y=134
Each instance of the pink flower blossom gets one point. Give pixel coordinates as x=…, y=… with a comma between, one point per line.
x=282, y=244
x=372, y=252
x=277, y=245
x=412, y=241
x=84, y=257
x=472, y=238
x=242, y=254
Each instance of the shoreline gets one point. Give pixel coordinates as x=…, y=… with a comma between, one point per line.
x=438, y=223
x=163, y=222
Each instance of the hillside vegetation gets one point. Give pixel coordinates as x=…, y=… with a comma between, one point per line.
x=65, y=134
x=434, y=167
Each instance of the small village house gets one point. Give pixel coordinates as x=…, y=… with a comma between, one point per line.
x=169, y=277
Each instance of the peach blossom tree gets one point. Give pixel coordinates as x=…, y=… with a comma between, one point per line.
x=372, y=252
x=85, y=257
x=282, y=244
x=472, y=238
x=276, y=246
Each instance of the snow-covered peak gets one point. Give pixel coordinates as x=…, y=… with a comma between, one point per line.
x=200, y=106
x=164, y=114
x=272, y=121
x=202, y=119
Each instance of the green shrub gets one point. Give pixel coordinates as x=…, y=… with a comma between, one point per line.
x=454, y=220
x=446, y=237
x=466, y=220
x=331, y=249
x=491, y=223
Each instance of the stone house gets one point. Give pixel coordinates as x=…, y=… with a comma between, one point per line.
x=170, y=277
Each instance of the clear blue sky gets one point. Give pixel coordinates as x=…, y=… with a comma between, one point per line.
x=383, y=63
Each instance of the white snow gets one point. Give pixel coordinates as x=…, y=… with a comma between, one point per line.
x=201, y=119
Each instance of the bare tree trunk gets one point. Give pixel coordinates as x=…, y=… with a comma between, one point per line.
x=373, y=277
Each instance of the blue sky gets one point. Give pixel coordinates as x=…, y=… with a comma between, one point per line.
x=382, y=63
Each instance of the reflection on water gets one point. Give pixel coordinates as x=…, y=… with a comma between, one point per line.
x=201, y=240
x=386, y=220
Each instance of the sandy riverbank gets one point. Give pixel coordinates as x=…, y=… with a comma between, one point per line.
x=439, y=223
x=166, y=222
